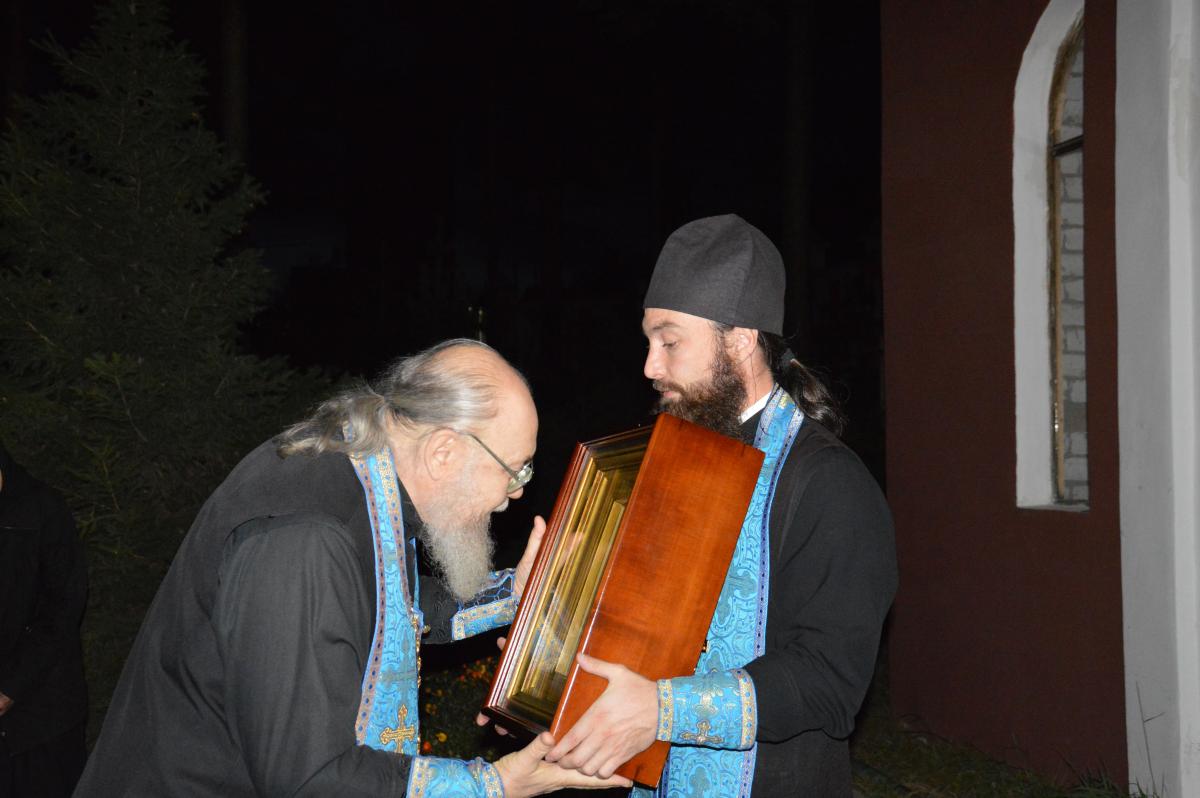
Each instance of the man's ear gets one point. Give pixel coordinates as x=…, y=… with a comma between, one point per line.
x=440, y=452
x=741, y=342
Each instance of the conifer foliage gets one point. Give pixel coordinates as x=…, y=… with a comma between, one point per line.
x=122, y=287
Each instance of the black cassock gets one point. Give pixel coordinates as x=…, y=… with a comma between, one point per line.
x=250, y=686
x=245, y=678
x=43, y=591
x=833, y=576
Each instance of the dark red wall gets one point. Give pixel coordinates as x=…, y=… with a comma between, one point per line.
x=1006, y=632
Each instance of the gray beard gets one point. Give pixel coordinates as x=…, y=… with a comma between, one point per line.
x=460, y=549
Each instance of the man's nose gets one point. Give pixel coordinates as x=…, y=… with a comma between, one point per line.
x=651, y=368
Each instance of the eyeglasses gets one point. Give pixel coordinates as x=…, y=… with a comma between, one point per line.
x=517, y=479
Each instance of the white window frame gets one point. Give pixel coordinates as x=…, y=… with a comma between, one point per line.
x=1031, y=256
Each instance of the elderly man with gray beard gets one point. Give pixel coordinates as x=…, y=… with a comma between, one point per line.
x=281, y=654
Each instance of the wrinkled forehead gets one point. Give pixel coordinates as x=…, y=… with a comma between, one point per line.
x=515, y=425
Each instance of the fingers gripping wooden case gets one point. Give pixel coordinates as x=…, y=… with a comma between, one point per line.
x=630, y=569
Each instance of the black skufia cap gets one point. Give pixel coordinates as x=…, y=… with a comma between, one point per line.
x=721, y=268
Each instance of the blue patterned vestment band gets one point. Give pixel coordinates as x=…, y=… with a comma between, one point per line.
x=388, y=709
x=494, y=606
x=433, y=777
x=701, y=765
x=388, y=716
x=716, y=709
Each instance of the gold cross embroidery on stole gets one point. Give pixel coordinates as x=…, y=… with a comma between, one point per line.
x=401, y=733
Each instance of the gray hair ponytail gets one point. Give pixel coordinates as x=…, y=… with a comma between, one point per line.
x=422, y=390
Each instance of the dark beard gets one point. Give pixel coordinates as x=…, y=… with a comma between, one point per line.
x=715, y=405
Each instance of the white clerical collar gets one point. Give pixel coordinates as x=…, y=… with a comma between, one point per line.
x=749, y=412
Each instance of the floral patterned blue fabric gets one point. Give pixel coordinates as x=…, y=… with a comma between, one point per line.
x=433, y=777
x=702, y=767
x=388, y=708
x=491, y=608
x=716, y=709
x=388, y=717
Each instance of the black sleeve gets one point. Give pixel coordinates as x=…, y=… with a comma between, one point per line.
x=53, y=631
x=831, y=588
x=293, y=618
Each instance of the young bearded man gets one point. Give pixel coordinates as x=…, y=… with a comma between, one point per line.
x=792, y=644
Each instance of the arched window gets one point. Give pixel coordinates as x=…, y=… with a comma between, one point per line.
x=1048, y=318
x=1068, y=343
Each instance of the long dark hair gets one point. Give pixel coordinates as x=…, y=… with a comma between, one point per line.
x=802, y=383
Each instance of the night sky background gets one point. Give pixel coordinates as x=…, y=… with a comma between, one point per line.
x=511, y=170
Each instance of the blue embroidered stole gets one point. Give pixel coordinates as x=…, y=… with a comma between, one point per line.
x=388, y=709
x=737, y=634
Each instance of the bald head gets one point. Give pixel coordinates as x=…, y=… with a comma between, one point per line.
x=459, y=457
x=498, y=391
x=458, y=384
x=452, y=404
x=462, y=384
x=496, y=405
